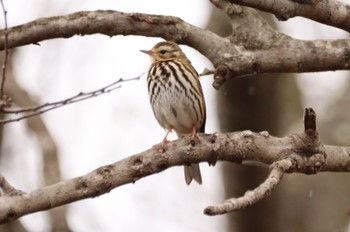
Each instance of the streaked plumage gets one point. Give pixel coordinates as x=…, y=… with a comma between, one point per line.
x=176, y=96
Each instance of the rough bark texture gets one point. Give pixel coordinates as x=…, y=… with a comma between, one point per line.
x=230, y=60
x=306, y=153
x=255, y=103
x=329, y=12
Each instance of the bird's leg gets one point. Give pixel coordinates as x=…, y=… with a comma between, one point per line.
x=165, y=140
x=194, y=133
x=194, y=136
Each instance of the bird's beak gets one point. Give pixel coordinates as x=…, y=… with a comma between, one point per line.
x=148, y=52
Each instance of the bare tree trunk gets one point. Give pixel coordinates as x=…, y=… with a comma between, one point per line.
x=48, y=147
x=252, y=104
x=15, y=226
x=257, y=103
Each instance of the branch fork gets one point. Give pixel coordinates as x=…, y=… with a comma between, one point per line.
x=311, y=162
x=301, y=152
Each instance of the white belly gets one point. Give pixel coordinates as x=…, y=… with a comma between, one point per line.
x=175, y=111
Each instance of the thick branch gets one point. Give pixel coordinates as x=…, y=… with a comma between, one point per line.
x=105, y=22
x=307, y=156
x=330, y=12
x=278, y=168
x=266, y=50
x=229, y=59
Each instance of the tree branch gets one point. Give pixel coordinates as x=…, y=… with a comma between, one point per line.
x=229, y=59
x=105, y=22
x=263, y=47
x=40, y=109
x=303, y=150
x=330, y=12
x=278, y=168
x=252, y=197
x=3, y=77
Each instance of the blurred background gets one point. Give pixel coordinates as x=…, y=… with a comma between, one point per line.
x=78, y=138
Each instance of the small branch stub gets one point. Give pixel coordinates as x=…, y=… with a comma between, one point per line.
x=220, y=76
x=310, y=120
x=8, y=189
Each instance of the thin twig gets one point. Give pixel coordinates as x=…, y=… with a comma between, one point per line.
x=6, y=57
x=251, y=197
x=33, y=111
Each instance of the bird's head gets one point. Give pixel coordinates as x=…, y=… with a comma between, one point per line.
x=164, y=51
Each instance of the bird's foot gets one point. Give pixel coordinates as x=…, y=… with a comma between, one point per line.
x=194, y=137
x=165, y=140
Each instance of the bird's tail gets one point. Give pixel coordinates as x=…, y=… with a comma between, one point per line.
x=193, y=172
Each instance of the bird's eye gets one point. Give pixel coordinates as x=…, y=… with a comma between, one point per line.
x=162, y=52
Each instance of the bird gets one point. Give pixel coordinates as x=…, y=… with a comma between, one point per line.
x=176, y=96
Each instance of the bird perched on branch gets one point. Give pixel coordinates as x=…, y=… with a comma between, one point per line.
x=176, y=96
